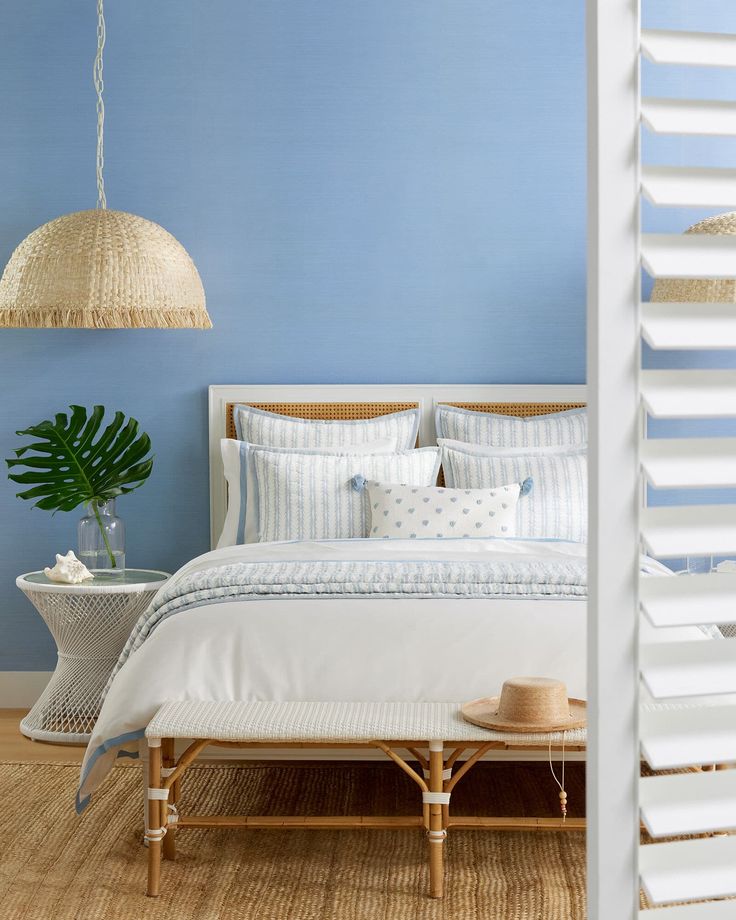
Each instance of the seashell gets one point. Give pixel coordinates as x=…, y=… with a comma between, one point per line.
x=68, y=570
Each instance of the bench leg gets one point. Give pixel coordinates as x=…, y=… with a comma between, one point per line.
x=155, y=831
x=168, y=761
x=437, y=832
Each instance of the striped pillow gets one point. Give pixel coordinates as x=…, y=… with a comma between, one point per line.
x=561, y=429
x=557, y=506
x=303, y=495
x=240, y=524
x=257, y=426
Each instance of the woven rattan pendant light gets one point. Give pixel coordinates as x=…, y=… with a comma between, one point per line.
x=99, y=268
x=700, y=290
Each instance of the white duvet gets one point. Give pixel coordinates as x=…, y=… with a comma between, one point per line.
x=343, y=647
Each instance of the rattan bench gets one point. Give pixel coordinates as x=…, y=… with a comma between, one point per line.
x=408, y=727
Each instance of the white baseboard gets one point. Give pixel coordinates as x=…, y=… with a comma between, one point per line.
x=21, y=689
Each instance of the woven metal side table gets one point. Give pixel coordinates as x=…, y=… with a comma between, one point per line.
x=90, y=623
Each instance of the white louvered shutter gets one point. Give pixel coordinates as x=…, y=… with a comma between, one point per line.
x=694, y=725
x=685, y=717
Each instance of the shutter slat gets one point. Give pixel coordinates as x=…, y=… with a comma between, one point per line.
x=689, y=116
x=688, y=870
x=689, y=255
x=689, y=530
x=689, y=325
x=678, y=736
x=689, y=186
x=671, y=463
x=682, y=733
x=697, y=668
x=689, y=393
x=700, y=49
x=688, y=803
x=692, y=600
x=706, y=910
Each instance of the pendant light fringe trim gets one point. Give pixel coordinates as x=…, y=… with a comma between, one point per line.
x=103, y=319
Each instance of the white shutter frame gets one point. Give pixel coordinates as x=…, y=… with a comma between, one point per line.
x=613, y=349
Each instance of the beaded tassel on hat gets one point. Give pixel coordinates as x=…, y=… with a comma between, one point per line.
x=560, y=782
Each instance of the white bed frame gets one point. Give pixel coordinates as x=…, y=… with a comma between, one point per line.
x=426, y=395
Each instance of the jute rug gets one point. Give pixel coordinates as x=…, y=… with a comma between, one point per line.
x=57, y=866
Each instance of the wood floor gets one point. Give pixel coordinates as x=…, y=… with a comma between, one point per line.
x=15, y=746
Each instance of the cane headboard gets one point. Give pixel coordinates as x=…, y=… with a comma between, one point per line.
x=356, y=401
x=520, y=410
x=320, y=410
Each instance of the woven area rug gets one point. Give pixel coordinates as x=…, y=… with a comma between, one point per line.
x=57, y=866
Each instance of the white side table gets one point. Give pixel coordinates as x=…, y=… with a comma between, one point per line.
x=90, y=623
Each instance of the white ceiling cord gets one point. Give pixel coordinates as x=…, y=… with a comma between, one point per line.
x=99, y=87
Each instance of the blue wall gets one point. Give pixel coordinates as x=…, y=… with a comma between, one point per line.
x=379, y=192
x=373, y=192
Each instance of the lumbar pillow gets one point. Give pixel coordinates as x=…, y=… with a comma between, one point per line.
x=560, y=429
x=399, y=511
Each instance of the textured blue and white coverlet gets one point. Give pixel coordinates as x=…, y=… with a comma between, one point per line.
x=471, y=575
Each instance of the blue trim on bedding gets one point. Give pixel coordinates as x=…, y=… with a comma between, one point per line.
x=238, y=423
x=103, y=748
x=438, y=420
x=243, y=450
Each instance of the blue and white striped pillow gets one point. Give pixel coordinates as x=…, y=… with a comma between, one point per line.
x=561, y=429
x=303, y=495
x=240, y=524
x=257, y=426
x=556, y=508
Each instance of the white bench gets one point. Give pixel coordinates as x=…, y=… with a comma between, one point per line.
x=409, y=727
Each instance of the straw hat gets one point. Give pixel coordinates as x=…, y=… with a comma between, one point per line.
x=700, y=290
x=528, y=704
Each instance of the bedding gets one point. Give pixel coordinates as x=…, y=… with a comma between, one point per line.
x=308, y=495
x=258, y=426
x=241, y=527
x=560, y=429
x=556, y=508
x=347, y=620
x=399, y=511
x=350, y=620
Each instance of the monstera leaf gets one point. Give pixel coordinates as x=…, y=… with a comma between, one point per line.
x=70, y=462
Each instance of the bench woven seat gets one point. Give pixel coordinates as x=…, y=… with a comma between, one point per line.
x=434, y=735
x=333, y=722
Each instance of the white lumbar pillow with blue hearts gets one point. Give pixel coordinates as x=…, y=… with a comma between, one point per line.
x=414, y=512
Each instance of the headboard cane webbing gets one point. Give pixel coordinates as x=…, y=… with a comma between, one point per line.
x=346, y=411
x=521, y=410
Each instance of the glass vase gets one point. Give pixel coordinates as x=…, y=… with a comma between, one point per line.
x=101, y=537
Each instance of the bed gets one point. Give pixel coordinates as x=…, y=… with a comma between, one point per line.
x=355, y=619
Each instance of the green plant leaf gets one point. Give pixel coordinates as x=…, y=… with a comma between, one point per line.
x=72, y=460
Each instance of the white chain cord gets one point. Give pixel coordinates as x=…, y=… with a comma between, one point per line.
x=99, y=87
